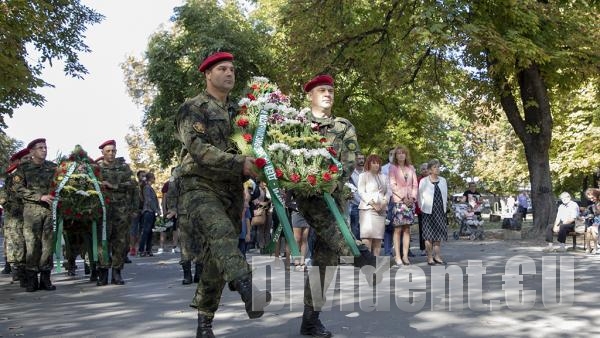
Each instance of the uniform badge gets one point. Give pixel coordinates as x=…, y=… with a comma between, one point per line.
x=199, y=127
x=17, y=179
x=351, y=145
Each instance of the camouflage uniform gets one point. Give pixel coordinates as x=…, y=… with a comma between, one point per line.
x=210, y=202
x=121, y=204
x=31, y=182
x=13, y=223
x=330, y=243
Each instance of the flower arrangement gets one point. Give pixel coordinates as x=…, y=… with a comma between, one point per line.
x=76, y=189
x=297, y=157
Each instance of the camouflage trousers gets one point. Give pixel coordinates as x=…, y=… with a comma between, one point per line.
x=117, y=230
x=329, y=246
x=37, y=230
x=214, y=220
x=15, y=241
x=189, y=242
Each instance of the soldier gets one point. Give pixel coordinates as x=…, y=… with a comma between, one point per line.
x=329, y=244
x=13, y=220
x=32, y=183
x=211, y=202
x=120, y=185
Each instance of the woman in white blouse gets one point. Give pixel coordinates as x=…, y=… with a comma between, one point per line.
x=372, y=187
x=433, y=201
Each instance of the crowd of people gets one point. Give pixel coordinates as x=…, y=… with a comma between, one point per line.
x=214, y=203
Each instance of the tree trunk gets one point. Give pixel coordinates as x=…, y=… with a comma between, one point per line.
x=535, y=132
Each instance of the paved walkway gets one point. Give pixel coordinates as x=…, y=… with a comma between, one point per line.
x=153, y=303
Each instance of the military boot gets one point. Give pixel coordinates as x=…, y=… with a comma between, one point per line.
x=311, y=325
x=254, y=299
x=187, y=273
x=102, y=277
x=45, y=283
x=204, y=329
x=22, y=277
x=71, y=267
x=86, y=269
x=32, y=281
x=7, y=269
x=116, y=277
x=93, y=272
x=197, y=272
x=16, y=273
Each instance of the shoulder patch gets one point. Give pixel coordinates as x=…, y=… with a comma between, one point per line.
x=17, y=179
x=351, y=145
x=199, y=127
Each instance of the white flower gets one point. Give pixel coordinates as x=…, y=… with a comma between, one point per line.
x=260, y=79
x=244, y=102
x=270, y=106
x=324, y=152
x=279, y=146
x=82, y=193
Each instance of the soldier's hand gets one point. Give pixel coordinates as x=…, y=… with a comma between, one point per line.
x=249, y=167
x=106, y=184
x=171, y=214
x=47, y=198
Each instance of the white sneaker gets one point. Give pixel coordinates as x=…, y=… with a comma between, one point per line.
x=548, y=248
x=561, y=249
x=160, y=250
x=175, y=250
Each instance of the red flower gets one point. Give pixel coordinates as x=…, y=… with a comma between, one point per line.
x=260, y=163
x=106, y=200
x=78, y=215
x=248, y=137
x=333, y=168
x=243, y=122
x=243, y=110
x=53, y=193
x=59, y=205
x=332, y=151
x=254, y=86
x=278, y=173
x=251, y=97
x=68, y=212
x=326, y=176
x=295, y=178
x=312, y=179
x=315, y=126
x=323, y=140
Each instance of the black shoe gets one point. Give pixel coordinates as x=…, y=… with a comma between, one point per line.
x=7, y=270
x=102, y=277
x=32, y=281
x=126, y=259
x=86, y=269
x=94, y=274
x=410, y=254
x=187, y=273
x=22, y=277
x=45, y=283
x=311, y=324
x=254, y=299
x=71, y=272
x=204, y=329
x=116, y=277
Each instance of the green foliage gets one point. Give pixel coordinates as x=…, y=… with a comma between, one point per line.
x=54, y=30
x=8, y=146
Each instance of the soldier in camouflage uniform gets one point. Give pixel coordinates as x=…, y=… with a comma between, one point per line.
x=190, y=249
x=32, y=183
x=330, y=243
x=210, y=199
x=13, y=219
x=120, y=187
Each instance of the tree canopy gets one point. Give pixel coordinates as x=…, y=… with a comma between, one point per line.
x=34, y=34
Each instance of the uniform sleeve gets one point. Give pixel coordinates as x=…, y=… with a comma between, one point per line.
x=349, y=149
x=192, y=127
x=172, y=195
x=21, y=188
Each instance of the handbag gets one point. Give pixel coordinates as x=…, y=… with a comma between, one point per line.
x=259, y=216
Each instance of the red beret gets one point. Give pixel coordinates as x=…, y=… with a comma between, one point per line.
x=213, y=59
x=107, y=143
x=11, y=168
x=317, y=81
x=19, y=154
x=34, y=142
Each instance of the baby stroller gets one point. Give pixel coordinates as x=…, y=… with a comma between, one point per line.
x=471, y=225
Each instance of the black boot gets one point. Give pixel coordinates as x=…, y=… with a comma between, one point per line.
x=204, y=329
x=32, y=281
x=197, y=272
x=45, y=283
x=16, y=273
x=311, y=325
x=254, y=299
x=187, y=273
x=22, y=277
x=102, y=277
x=71, y=267
x=7, y=268
x=93, y=274
x=116, y=277
x=86, y=269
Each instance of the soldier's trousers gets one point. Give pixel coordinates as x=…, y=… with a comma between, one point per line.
x=215, y=219
x=15, y=241
x=329, y=246
x=37, y=230
x=118, y=225
x=188, y=242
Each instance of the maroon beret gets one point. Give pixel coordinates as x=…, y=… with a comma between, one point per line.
x=213, y=59
x=107, y=143
x=34, y=142
x=318, y=81
x=19, y=154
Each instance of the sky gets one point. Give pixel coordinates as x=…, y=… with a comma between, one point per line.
x=97, y=108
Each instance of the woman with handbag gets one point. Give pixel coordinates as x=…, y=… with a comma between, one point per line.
x=403, y=181
x=372, y=188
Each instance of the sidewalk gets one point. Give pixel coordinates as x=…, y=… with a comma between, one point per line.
x=153, y=303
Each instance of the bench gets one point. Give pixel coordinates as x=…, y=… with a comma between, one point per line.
x=574, y=236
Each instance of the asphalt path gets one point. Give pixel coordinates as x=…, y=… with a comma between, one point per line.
x=154, y=303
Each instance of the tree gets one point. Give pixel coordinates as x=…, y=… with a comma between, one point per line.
x=8, y=146
x=143, y=156
x=51, y=30
x=509, y=54
x=169, y=74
